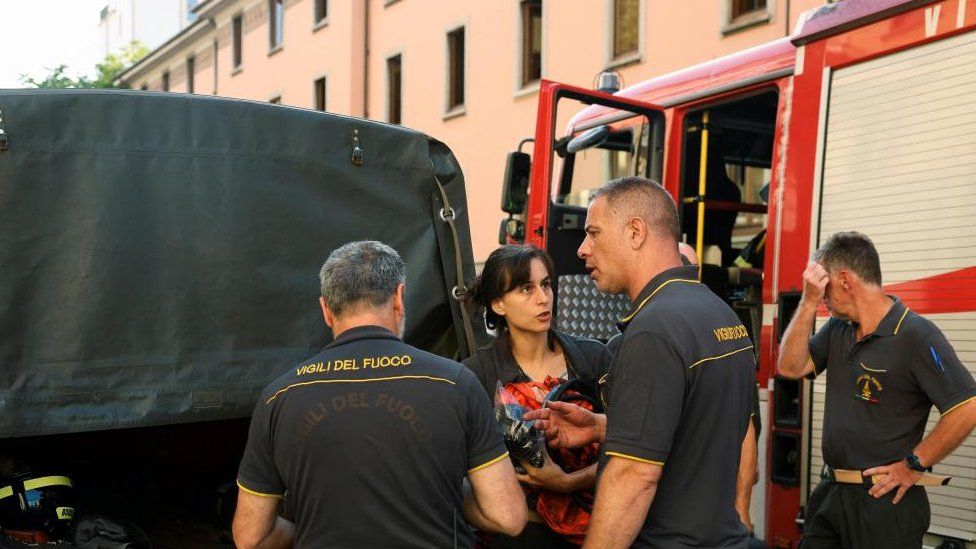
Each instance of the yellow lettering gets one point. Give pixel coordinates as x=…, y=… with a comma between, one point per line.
x=347, y=364
x=729, y=333
x=315, y=367
x=386, y=361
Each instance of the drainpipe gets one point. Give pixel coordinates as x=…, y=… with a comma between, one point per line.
x=366, y=61
x=786, y=25
x=216, y=72
x=216, y=51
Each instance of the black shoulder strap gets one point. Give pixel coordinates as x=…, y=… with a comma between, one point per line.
x=576, y=364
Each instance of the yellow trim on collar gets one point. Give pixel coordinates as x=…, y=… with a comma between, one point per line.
x=6, y=492
x=256, y=493
x=486, y=464
x=656, y=290
x=283, y=389
x=635, y=458
x=706, y=359
x=900, y=320
x=872, y=369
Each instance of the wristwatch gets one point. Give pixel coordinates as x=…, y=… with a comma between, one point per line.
x=915, y=465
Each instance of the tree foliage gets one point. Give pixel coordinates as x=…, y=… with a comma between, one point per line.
x=56, y=78
x=105, y=72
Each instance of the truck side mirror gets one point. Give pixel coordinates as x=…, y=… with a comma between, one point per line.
x=511, y=230
x=590, y=138
x=515, y=187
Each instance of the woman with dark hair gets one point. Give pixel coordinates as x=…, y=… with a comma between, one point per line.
x=530, y=359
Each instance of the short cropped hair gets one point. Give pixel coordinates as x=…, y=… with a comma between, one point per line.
x=366, y=272
x=853, y=251
x=644, y=198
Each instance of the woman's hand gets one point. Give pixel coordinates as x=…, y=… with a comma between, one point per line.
x=549, y=477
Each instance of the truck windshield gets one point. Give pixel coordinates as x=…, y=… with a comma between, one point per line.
x=624, y=151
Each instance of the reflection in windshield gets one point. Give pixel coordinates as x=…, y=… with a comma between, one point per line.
x=623, y=153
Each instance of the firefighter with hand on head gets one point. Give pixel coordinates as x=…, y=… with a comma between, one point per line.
x=679, y=392
x=371, y=440
x=886, y=366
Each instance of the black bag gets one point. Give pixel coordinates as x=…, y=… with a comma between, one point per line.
x=523, y=440
x=99, y=532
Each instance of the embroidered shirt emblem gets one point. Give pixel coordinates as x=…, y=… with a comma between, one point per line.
x=868, y=388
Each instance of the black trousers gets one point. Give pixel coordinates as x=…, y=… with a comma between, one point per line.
x=846, y=516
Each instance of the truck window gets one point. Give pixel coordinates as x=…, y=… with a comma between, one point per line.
x=622, y=151
x=738, y=164
x=738, y=167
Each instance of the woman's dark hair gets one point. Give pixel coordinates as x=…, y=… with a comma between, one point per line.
x=505, y=269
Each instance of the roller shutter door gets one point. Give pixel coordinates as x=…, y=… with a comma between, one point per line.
x=900, y=166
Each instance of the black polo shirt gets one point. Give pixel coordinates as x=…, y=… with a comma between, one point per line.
x=680, y=393
x=370, y=440
x=880, y=389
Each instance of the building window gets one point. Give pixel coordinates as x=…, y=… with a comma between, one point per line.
x=531, y=41
x=191, y=63
x=394, y=90
x=165, y=85
x=276, y=22
x=742, y=8
x=742, y=14
x=455, y=68
x=276, y=100
x=238, y=33
x=626, y=27
x=320, y=94
x=321, y=10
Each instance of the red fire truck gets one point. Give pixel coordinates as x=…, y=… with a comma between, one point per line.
x=864, y=119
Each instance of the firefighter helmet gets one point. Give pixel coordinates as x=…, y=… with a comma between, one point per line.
x=31, y=501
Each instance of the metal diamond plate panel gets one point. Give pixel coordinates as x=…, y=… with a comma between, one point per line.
x=586, y=312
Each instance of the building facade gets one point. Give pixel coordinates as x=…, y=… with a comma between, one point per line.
x=464, y=72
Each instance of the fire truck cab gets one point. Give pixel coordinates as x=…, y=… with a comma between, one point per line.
x=861, y=120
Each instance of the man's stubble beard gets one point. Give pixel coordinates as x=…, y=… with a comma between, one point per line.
x=611, y=286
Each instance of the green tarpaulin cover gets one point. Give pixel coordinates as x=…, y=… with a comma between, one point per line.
x=159, y=252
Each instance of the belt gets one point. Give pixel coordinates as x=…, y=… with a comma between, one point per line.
x=853, y=476
x=847, y=476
